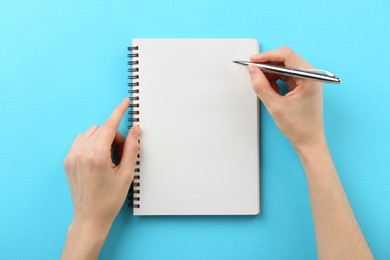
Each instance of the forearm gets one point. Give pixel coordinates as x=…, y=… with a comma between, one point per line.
x=84, y=241
x=338, y=233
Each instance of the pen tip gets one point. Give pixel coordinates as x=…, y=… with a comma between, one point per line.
x=241, y=62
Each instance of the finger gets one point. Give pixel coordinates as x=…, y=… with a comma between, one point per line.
x=269, y=56
x=130, y=152
x=108, y=130
x=87, y=135
x=284, y=56
x=262, y=86
x=291, y=83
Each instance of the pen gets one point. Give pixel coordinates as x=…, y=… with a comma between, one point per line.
x=310, y=74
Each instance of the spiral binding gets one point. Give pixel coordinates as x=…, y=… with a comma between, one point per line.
x=134, y=120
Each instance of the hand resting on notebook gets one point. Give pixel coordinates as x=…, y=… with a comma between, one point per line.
x=299, y=116
x=98, y=186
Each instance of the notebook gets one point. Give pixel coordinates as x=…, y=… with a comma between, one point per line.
x=199, y=119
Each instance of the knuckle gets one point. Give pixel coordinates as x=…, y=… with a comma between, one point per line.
x=91, y=157
x=94, y=157
x=284, y=48
x=287, y=50
x=94, y=127
x=66, y=163
x=78, y=157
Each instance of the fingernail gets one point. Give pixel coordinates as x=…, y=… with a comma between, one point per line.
x=136, y=131
x=125, y=100
x=251, y=69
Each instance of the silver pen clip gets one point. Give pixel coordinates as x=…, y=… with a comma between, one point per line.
x=321, y=71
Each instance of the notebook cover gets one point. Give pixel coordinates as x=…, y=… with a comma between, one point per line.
x=199, y=118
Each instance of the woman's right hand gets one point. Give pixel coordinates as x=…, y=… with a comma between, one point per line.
x=298, y=114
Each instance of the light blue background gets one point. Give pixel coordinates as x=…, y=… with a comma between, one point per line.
x=63, y=68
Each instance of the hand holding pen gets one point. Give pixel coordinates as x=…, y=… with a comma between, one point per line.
x=298, y=114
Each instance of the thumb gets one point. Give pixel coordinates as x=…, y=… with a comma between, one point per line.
x=261, y=86
x=130, y=151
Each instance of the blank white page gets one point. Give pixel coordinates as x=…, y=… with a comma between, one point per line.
x=199, y=121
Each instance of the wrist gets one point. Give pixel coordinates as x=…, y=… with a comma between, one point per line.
x=314, y=155
x=85, y=238
x=90, y=227
x=98, y=221
x=312, y=150
x=311, y=145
